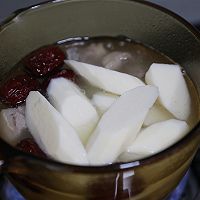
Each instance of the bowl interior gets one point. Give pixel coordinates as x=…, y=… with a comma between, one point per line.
x=143, y=22
x=151, y=178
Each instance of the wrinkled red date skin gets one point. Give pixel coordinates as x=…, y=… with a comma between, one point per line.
x=43, y=61
x=28, y=145
x=65, y=73
x=15, y=90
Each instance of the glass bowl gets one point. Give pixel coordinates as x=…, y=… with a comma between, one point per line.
x=151, y=178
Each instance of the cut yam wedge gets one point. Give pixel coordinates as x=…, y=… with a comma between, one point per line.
x=156, y=138
x=106, y=79
x=53, y=134
x=74, y=106
x=173, y=90
x=157, y=113
x=102, y=101
x=120, y=124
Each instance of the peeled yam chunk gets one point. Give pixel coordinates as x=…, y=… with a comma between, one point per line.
x=173, y=91
x=103, y=100
x=156, y=138
x=157, y=113
x=74, y=106
x=52, y=132
x=120, y=124
x=108, y=80
x=13, y=125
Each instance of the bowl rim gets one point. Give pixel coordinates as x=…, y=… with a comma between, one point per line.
x=120, y=166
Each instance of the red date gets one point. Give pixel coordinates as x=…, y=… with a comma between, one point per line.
x=29, y=145
x=44, y=60
x=16, y=89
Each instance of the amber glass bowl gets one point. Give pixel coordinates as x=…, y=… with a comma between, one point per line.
x=151, y=178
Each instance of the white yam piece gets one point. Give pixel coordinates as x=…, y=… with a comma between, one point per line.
x=102, y=101
x=108, y=80
x=53, y=134
x=173, y=90
x=120, y=124
x=74, y=106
